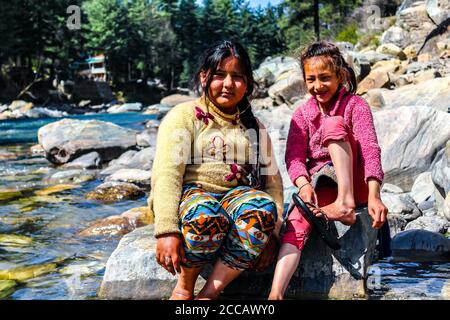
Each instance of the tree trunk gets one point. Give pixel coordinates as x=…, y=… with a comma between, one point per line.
x=316, y=20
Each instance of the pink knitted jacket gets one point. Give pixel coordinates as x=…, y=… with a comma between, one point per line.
x=305, y=154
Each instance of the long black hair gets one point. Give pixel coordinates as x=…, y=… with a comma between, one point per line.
x=208, y=65
x=335, y=59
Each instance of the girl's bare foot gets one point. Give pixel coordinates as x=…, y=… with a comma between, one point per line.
x=180, y=294
x=343, y=211
x=275, y=297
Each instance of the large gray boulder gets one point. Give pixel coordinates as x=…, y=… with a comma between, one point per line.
x=135, y=176
x=271, y=68
x=68, y=139
x=434, y=93
x=432, y=223
x=409, y=138
x=414, y=19
x=126, y=107
x=174, y=99
x=423, y=188
x=446, y=209
x=132, y=159
x=440, y=172
x=288, y=88
x=402, y=210
x=91, y=160
x=438, y=10
x=420, y=245
x=395, y=35
x=322, y=273
x=132, y=272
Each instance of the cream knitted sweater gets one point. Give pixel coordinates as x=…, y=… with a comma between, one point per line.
x=199, y=144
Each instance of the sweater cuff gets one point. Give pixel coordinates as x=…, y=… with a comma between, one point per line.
x=165, y=227
x=379, y=178
x=296, y=175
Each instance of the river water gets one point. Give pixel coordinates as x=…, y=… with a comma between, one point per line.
x=45, y=226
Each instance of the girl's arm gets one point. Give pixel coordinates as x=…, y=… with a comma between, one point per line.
x=274, y=183
x=172, y=153
x=296, y=150
x=376, y=207
x=364, y=131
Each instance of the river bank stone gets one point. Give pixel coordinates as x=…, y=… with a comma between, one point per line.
x=410, y=138
x=132, y=159
x=174, y=99
x=72, y=176
x=68, y=139
x=440, y=172
x=429, y=223
x=132, y=272
x=29, y=272
x=14, y=240
x=91, y=160
x=119, y=224
x=135, y=176
x=6, y=288
x=434, y=93
x=115, y=191
x=423, y=188
x=322, y=273
x=56, y=189
x=420, y=245
x=126, y=107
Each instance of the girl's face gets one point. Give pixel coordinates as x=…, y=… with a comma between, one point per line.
x=321, y=80
x=228, y=84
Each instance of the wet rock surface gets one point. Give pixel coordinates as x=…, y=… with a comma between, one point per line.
x=68, y=139
x=132, y=271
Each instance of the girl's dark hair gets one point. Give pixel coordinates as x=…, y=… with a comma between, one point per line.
x=333, y=58
x=208, y=64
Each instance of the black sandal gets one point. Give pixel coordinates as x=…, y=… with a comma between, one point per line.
x=320, y=225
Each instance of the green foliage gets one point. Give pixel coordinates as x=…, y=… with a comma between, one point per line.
x=163, y=39
x=349, y=34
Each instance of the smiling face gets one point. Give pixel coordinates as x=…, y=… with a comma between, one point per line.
x=228, y=84
x=322, y=81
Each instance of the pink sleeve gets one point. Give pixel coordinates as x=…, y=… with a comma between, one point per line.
x=364, y=131
x=296, y=147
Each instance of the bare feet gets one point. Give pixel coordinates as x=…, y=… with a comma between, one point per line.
x=275, y=296
x=343, y=211
x=180, y=294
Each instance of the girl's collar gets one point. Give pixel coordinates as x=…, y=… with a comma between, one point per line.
x=313, y=106
x=213, y=109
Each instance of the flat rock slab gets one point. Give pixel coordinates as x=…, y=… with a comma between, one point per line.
x=132, y=271
x=322, y=273
x=420, y=245
x=68, y=139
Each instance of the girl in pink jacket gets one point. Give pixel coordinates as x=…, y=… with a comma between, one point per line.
x=332, y=155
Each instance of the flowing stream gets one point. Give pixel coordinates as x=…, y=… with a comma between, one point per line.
x=38, y=230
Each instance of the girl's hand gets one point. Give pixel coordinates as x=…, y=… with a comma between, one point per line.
x=268, y=255
x=170, y=252
x=308, y=194
x=378, y=211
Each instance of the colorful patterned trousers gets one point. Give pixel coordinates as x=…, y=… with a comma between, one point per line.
x=234, y=226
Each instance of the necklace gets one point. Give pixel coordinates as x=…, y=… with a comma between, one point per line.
x=238, y=116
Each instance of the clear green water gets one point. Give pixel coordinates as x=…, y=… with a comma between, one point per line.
x=51, y=224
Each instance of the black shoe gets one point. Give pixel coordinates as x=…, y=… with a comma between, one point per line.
x=321, y=225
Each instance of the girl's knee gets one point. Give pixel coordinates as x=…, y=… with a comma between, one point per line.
x=334, y=129
x=250, y=200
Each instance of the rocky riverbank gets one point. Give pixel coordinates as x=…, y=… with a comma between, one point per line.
x=409, y=95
